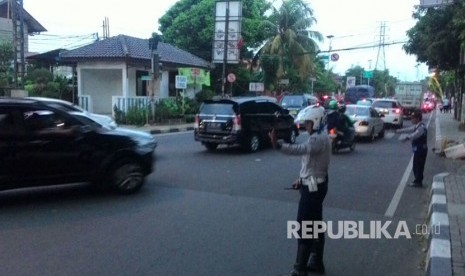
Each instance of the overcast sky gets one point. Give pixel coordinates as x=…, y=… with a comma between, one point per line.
x=355, y=23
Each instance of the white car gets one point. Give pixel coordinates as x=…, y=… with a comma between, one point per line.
x=368, y=123
x=103, y=120
x=392, y=111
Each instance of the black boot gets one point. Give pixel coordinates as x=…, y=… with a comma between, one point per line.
x=300, y=266
x=315, y=265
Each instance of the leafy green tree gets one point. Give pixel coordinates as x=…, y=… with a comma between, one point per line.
x=182, y=26
x=291, y=49
x=6, y=72
x=326, y=81
x=382, y=81
x=41, y=82
x=435, y=39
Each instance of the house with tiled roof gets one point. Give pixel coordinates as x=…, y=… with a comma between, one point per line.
x=117, y=71
x=31, y=25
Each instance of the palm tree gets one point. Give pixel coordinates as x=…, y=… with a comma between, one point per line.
x=290, y=50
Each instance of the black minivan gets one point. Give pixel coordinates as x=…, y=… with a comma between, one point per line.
x=245, y=121
x=41, y=145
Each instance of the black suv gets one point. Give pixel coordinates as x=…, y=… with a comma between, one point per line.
x=243, y=120
x=41, y=145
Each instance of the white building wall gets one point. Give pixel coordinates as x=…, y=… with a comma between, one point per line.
x=101, y=81
x=163, y=91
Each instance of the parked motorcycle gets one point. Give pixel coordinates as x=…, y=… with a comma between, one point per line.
x=338, y=142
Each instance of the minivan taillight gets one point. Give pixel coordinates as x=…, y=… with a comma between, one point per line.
x=237, y=123
x=196, y=121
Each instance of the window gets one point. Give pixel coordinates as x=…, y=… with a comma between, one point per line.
x=217, y=108
x=142, y=83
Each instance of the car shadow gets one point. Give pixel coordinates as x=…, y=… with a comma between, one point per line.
x=45, y=195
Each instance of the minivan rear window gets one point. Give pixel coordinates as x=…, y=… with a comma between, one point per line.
x=217, y=108
x=384, y=104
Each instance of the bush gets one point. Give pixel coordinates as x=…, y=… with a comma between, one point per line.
x=204, y=95
x=165, y=110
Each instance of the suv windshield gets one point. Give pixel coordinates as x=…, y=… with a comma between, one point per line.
x=384, y=104
x=217, y=108
x=295, y=101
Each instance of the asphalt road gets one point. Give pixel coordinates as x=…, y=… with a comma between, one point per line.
x=218, y=213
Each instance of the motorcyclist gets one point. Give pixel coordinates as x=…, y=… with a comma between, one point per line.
x=339, y=121
x=346, y=125
x=333, y=116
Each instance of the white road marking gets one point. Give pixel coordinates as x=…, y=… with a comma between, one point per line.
x=399, y=191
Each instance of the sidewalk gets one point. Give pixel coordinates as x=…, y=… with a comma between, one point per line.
x=446, y=254
x=158, y=128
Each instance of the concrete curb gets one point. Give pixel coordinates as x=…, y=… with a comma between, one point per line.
x=169, y=130
x=439, y=258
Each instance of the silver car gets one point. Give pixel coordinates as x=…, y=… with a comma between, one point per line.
x=66, y=106
x=368, y=123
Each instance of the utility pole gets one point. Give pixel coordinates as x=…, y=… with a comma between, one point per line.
x=17, y=18
x=382, y=41
x=153, y=45
x=225, y=54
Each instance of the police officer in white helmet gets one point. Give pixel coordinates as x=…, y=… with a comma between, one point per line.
x=312, y=184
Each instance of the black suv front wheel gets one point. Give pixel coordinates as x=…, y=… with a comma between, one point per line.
x=127, y=177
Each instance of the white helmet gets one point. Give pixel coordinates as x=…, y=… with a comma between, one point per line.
x=313, y=113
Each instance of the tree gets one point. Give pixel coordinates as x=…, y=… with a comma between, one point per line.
x=290, y=50
x=6, y=72
x=41, y=82
x=182, y=26
x=434, y=39
x=382, y=81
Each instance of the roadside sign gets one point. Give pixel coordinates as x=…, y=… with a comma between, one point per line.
x=368, y=74
x=195, y=72
x=181, y=82
x=334, y=57
x=231, y=77
x=257, y=86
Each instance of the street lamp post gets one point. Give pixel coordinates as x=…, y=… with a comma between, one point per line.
x=330, y=37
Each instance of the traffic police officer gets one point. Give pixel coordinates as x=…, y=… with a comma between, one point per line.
x=312, y=184
x=419, y=146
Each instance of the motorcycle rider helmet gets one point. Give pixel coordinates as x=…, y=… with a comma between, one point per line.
x=312, y=113
x=333, y=105
x=342, y=108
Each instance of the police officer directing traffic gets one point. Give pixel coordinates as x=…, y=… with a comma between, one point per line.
x=419, y=146
x=312, y=184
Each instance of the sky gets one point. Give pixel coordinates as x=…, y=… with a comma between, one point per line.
x=353, y=24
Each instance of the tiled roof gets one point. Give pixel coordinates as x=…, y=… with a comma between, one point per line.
x=127, y=47
x=33, y=25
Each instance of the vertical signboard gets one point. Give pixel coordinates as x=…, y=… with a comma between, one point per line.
x=350, y=82
x=228, y=15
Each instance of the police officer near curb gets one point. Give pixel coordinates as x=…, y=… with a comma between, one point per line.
x=419, y=137
x=312, y=184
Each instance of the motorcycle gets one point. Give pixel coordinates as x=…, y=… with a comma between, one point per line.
x=338, y=142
